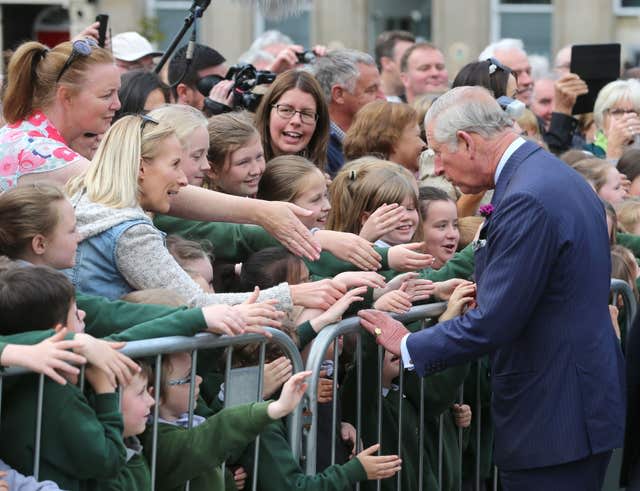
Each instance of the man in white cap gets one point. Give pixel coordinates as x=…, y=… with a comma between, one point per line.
x=133, y=51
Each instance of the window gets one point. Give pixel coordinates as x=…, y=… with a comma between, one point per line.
x=626, y=7
x=297, y=27
x=170, y=15
x=409, y=15
x=529, y=20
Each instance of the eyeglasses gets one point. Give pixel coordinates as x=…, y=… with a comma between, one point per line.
x=620, y=112
x=287, y=112
x=81, y=47
x=180, y=381
x=496, y=65
x=146, y=119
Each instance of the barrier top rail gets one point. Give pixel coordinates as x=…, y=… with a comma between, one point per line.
x=175, y=344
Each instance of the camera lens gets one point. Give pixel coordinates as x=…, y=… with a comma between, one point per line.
x=206, y=83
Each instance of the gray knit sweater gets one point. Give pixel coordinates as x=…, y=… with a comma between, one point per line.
x=144, y=261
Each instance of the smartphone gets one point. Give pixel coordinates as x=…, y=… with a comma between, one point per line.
x=103, y=19
x=597, y=65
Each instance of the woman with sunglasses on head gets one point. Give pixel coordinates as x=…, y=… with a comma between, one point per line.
x=293, y=118
x=53, y=97
x=64, y=98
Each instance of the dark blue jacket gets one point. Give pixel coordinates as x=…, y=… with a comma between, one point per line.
x=335, y=157
x=543, y=283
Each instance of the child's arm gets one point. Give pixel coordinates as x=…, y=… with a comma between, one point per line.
x=12, y=480
x=50, y=356
x=184, y=454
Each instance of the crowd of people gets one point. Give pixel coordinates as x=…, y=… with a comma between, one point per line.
x=135, y=205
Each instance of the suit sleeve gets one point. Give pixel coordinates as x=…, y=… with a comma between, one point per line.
x=520, y=253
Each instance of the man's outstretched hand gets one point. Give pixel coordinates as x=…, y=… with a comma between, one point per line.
x=387, y=331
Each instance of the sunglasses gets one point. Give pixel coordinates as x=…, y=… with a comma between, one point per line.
x=81, y=47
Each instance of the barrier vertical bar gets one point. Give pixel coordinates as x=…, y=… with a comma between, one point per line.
x=478, y=417
x=379, y=415
x=495, y=478
x=36, y=453
x=400, y=405
x=359, y=395
x=227, y=375
x=440, y=449
x=460, y=401
x=334, y=401
x=82, y=378
x=156, y=414
x=192, y=403
x=256, y=450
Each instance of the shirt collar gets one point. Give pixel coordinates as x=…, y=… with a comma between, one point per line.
x=336, y=130
x=515, y=145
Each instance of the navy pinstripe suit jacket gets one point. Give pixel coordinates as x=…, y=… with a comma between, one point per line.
x=543, y=283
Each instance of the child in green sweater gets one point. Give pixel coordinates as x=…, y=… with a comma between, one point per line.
x=196, y=454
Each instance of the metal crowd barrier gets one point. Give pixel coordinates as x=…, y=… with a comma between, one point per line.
x=329, y=335
x=174, y=344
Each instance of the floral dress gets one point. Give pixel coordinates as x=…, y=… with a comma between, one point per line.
x=29, y=146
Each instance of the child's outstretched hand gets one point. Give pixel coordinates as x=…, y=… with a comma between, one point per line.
x=361, y=278
x=378, y=466
x=325, y=388
x=408, y=257
x=50, y=357
x=259, y=315
x=292, y=392
x=337, y=310
x=348, y=434
x=223, y=319
x=382, y=221
x=4, y=485
x=461, y=415
x=464, y=295
x=396, y=301
x=276, y=373
x=118, y=368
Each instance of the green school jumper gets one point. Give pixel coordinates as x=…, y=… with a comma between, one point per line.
x=279, y=471
x=197, y=454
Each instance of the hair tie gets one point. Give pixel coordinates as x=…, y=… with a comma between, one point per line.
x=40, y=54
x=352, y=175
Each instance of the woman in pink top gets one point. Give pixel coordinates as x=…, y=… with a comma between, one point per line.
x=53, y=97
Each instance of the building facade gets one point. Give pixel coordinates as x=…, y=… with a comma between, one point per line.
x=461, y=28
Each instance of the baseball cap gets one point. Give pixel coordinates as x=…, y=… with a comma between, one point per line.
x=131, y=46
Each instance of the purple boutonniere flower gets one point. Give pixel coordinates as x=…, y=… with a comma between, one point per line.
x=486, y=210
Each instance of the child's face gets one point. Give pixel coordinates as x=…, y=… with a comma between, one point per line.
x=62, y=242
x=174, y=401
x=242, y=169
x=441, y=234
x=612, y=190
x=390, y=368
x=136, y=405
x=194, y=161
x=314, y=196
x=75, y=318
x=407, y=225
x=408, y=148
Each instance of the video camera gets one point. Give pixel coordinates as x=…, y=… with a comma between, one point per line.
x=245, y=77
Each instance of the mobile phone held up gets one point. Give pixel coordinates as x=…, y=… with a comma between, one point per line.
x=103, y=19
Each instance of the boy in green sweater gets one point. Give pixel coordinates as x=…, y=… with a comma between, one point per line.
x=196, y=454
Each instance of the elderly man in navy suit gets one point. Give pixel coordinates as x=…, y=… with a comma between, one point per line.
x=543, y=276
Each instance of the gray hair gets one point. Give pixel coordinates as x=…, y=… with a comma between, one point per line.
x=504, y=44
x=267, y=38
x=254, y=56
x=611, y=94
x=470, y=109
x=340, y=67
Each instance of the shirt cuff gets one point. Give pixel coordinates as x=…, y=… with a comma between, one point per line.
x=404, y=351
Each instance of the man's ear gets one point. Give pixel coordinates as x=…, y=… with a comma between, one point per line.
x=465, y=139
x=337, y=94
x=386, y=63
x=404, y=76
x=38, y=244
x=183, y=93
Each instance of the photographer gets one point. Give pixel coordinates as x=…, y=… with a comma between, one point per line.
x=184, y=76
